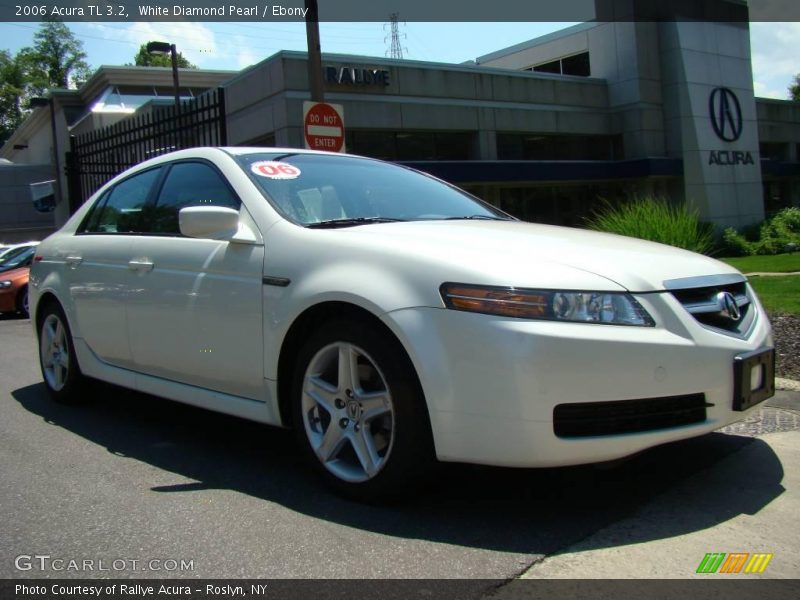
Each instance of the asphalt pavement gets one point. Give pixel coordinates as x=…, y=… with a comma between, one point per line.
x=130, y=477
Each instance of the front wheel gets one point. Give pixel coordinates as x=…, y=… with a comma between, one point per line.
x=62, y=375
x=359, y=412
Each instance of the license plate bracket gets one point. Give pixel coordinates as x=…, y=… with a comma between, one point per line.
x=743, y=366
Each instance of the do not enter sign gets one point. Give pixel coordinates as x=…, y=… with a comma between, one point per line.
x=323, y=126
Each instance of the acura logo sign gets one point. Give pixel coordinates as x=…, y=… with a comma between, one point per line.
x=726, y=114
x=728, y=306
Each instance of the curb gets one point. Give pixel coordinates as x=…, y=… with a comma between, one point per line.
x=789, y=385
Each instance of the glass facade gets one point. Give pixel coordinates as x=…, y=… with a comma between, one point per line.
x=532, y=146
x=568, y=203
x=411, y=145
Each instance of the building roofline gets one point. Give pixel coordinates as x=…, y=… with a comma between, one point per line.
x=402, y=62
x=549, y=37
x=781, y=101
x=105, y=75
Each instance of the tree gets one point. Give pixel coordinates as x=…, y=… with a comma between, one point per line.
x=12, y=86
x=57, y=57
x=56, y=60
x=794, y=89
x=144, y=58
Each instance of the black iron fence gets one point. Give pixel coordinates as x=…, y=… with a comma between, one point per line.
x=97, y=156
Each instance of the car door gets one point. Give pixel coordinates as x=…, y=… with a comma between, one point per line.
x=96, y=267
x=194, y=310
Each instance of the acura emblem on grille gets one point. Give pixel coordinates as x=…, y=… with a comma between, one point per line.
x=728, y=306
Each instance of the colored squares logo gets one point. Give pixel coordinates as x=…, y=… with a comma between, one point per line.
x=734, y=562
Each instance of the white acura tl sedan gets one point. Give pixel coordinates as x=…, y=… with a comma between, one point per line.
x=390, y=318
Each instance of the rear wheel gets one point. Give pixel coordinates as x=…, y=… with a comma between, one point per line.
x=22, y=302
x=62, y=375
x=359, y=413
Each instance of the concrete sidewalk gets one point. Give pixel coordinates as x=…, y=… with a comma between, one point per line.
x=640, y=546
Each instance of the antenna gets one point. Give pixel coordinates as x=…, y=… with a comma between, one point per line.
x=396, y=50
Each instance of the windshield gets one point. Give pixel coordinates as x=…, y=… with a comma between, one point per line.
x=318, y=189
x=23, y=258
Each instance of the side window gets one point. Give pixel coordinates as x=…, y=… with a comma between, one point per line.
x=120, y=210
x=189, y=184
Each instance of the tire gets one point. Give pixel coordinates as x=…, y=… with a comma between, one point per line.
x=22, y=302
x=57, y=359
x=367, y=435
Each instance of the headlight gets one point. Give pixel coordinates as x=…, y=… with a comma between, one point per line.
x=607, y=308
x=4, y=285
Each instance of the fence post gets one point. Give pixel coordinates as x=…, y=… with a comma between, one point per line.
x=222, y=117
x=73, y=172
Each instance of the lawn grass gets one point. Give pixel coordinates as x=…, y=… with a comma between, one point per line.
x=778, y=294
x=779, y=263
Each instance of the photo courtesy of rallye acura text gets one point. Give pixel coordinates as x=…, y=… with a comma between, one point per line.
x=391, y=319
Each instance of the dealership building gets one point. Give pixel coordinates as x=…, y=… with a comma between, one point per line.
x=548, y=128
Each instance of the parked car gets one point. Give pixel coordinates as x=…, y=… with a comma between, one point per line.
x=17, y=259
x=9, y=251
x=14, y=269
x=390, y=318
x=14, y=291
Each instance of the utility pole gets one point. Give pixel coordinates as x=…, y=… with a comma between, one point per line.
x=314, y=51
x=396, y=50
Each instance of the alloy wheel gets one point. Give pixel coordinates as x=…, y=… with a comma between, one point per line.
x=348, y=412
x=54, y=352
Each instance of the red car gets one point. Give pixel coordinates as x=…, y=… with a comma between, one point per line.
x=14, y=282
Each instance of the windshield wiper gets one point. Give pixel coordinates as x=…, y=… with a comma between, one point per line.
x=332, y=223
x=476, y=218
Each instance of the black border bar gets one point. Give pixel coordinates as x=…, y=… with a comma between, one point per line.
x=409, y=10
x=745, y=587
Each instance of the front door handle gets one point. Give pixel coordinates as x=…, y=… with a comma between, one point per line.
x=141, y=265
x=73, y=261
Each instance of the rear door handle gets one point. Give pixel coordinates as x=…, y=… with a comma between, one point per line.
x=73, y=261
x=141, y=265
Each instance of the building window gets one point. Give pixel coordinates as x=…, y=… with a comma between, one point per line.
x=533, y=146
x=411, y=145
x=774, y=151
x=577, y=64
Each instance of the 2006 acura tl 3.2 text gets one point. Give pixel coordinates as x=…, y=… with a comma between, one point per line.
x=390, y=318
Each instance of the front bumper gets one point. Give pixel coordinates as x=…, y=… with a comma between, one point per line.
x=492, y=383
x=8, y=299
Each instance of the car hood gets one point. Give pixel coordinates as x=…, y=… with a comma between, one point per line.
x=515, y=251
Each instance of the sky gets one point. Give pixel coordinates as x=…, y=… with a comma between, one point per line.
x=236, y=45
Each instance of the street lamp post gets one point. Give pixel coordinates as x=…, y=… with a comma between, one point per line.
x=167, y=48
x=164, y=48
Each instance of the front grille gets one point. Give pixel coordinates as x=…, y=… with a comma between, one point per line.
x=711, y=303
x=586, y=419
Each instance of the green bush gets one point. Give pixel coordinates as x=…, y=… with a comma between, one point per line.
x=657, y=220
x=735, y=244
x=774, y=236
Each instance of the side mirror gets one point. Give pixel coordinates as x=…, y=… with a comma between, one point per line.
x=214, y=222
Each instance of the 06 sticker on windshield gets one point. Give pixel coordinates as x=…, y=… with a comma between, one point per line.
x=275, y=170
